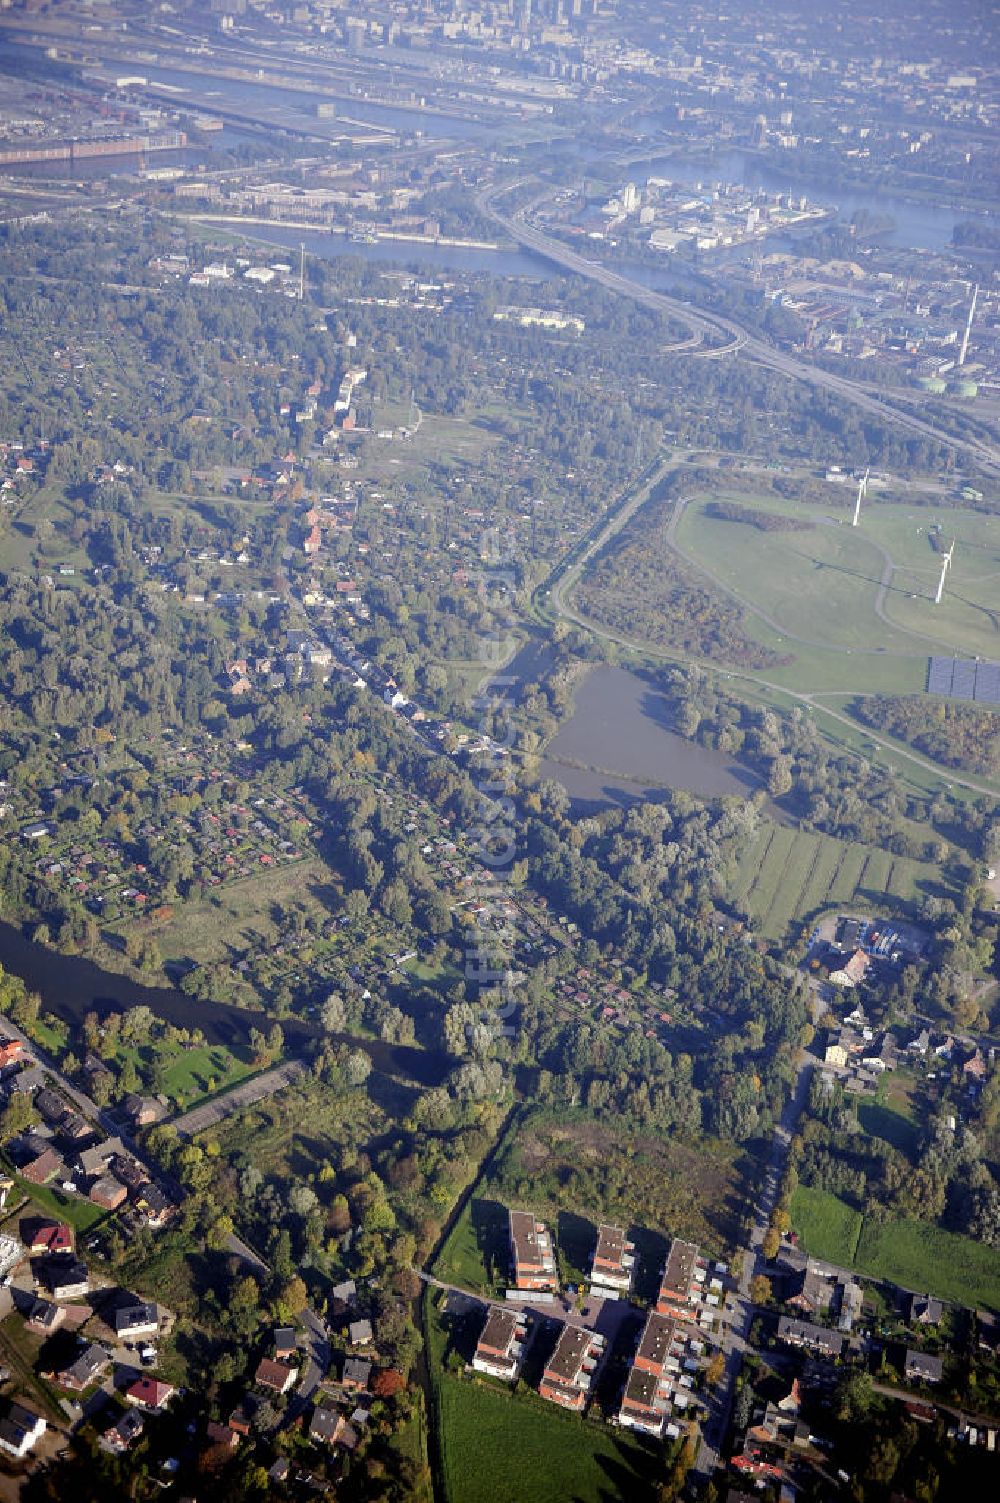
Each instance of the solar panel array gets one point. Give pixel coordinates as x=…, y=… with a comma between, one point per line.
x=964, y=678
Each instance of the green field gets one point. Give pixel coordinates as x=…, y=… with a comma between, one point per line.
x=929, y=1259
x=914, y=1254
x=827, y=1227
x=821, y=589
x=501, y=1448
x=787, y=875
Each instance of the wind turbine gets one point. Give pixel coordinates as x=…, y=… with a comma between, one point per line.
x=862, y=493
x=945, y=566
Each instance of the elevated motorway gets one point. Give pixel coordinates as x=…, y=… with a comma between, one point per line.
x=720, y=335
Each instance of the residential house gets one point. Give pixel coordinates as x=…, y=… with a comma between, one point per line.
x=360, y=1332
x=531, y=1253
x=94, y=1160
x=808, y=1290
x=277, y=1376
x=149, y=1394
x=108, y=1193
x=613, y=1263
x=63, y=1276
x=500, y=1350
x=155, y=1208
x=48, y=1237
x=647, y=1400
x=74, y=1132
x=851, y=1304
x=11, y=1052
x=242, y=1418
x=43, y=1317
x=85, y=1370
x=284, y=1342
x=682, y=1288
x=49, y=1105
x=11, y=1252
x=43, y=1167
x=924, y=1311
x=357, y=1374
x=327, y=1425
x=142, y=1111
x=801, y=1333
x=853, y=971
x=222, y=1435
x=921, y=1367
x=124, y=1434
x=20, y=1430
x=569, y=1372
x=137, y=1318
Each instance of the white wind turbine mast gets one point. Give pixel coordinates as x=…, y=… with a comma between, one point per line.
x=862, y=493
x=945, y=566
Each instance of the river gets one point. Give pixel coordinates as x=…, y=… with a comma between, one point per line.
x=71, y=986
x=618, y=747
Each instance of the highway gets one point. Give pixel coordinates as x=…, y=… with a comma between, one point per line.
x=730, y=337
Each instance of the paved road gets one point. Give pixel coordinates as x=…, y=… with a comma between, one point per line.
x=735, y=1339
x=220, y=1107
x=315, y=1348
x=734, y=338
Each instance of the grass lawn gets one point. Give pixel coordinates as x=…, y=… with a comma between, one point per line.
x=827, y=1227
x=498, y=1447
x=786, y=876
x=80, y=1213
x=929, y=1259
x=18, y=1351
x=476, y=1253
x=198, y=1073
x=890, y=1125
x=51, y=1032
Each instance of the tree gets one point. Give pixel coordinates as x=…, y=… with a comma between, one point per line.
x=333, y=1013
x=219, y=1233
x=387, y=1382
x=855, y=1396
x=358, y=1067
x=715, y=1370
x=760, y=1289
x=17, y=1116
x=772, y=1243
x=292, y=1298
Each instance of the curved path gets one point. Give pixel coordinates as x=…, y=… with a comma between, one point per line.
x=558, y=603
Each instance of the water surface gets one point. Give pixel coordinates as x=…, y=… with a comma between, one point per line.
x=619, y=746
